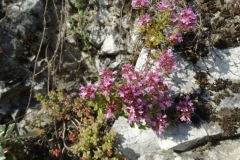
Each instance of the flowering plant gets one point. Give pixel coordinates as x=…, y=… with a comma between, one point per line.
x=167, y=24
x=141, y=3
x=143, y=96
x=185, y=109
x=139, y=95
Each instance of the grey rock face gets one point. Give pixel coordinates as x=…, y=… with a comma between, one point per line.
x=108, y=63
x=113, y=44
x=227, y=149
x=126, y=22
x=21, y=20
x=134, y=142
x=97, y=36
x=102, y=16
x=2, y=10
x=133, y=39
x=21, y=32
x=103, y=3
x=40, y=112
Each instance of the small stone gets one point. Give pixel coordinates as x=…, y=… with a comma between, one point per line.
x=237, y=19
x=126, y=22
x=97, y=36
x=113, y=44
x=120, y=59
x=102, y=16
x=15, y=113
x=103, y=3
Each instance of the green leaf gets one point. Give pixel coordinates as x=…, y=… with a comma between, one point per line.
x=99, y=112
x=175, y=30
x=91, y=104
x=142, y=127
x=2, y=157
x=10, y=129
x=96, y=107
x=108, y=98
x=2, y=130
x=81, y=13
x=132, y=125
x=30, y=134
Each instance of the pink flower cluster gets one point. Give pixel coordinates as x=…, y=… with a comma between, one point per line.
x=174, y=38
x=186, y=20
x=143, y=93
x=107, y=81
x=162, y=5
x=141, y=3
x=158, y=123
x=143, y=20
x=88, y=91
x=166, y=62
x=185, y=108
x=110, y=109
x=178, y=20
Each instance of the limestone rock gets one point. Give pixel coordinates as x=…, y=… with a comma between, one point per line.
x=113, y=44
x=227, y=149
x=97, y=36
x=103, y=3
x=39, y=115
x=126, y=22
x=134, y=142
x=133, y=38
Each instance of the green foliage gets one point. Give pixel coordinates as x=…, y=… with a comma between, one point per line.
x=92, y=139
x=2, y=157
x=79, y=5
x=79, y=28
x=155, y=31
x=5, y=138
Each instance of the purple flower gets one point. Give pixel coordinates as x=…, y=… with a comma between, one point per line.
x=140, y=94
x=185, y=109
x=186, y=20
x=135, y=113
x=140, y=3
x=130, y=93
x=175, y=38
x=162, y=5
x=166, y=62
x=130, y=75
x=158, y=123
x=107, y=81
x=144, y=19
x=127, y=70
x=165, y=102
x=88, y=91
x=152, y=81
x=107, y=73
x=111, y=108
